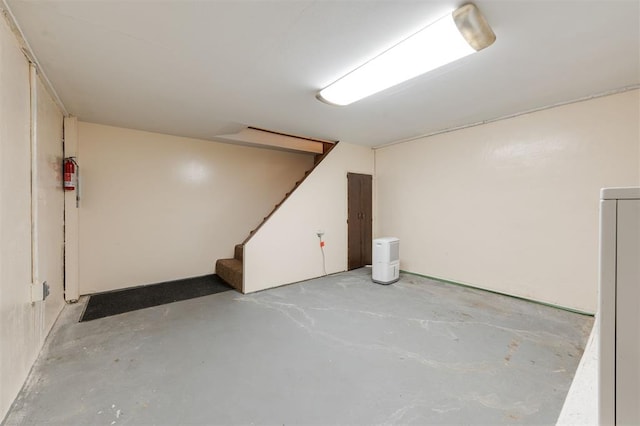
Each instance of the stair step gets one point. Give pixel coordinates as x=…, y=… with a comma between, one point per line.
x=230, y=270
x=238, y=252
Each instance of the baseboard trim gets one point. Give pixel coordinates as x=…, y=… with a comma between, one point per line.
x=564, y=308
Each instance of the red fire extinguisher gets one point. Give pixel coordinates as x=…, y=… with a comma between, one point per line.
x=70, y=173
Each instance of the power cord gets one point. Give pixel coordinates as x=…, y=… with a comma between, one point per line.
x=324, y=261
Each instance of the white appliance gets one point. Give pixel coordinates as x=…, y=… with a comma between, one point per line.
x=619, y=307
x=386, y=260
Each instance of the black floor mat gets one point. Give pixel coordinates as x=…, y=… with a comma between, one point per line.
x=121, y=301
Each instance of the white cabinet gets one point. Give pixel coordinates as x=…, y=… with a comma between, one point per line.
x=619, y=307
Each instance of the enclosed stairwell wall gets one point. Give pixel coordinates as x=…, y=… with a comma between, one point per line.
x=157, y=207
x=286, y=248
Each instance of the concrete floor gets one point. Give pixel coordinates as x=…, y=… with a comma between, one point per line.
x=581, y=405
x=335, y=350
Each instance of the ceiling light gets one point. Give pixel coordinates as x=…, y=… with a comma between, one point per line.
x=453, y=36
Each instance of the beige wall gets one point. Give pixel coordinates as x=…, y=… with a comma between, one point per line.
x=50, y=203
x=157, y=207
x=286, y=249
x=23, y=325
x=512, y=206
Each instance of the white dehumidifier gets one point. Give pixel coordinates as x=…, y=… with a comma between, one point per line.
x=386, y=260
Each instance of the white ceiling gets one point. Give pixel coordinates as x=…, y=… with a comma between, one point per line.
x=201, y=69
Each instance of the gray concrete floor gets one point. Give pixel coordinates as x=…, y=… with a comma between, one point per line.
x=335, y=350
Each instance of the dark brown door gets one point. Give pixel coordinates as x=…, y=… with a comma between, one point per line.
x=359, y=220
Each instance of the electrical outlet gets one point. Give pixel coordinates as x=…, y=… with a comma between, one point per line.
x=39, y=292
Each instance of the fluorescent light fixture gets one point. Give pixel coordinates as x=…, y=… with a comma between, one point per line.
x=453, y=36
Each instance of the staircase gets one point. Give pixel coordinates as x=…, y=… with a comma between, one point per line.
x=230, y=270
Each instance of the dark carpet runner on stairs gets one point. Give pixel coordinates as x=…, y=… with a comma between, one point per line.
x=131, y=299
x=230, y=270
